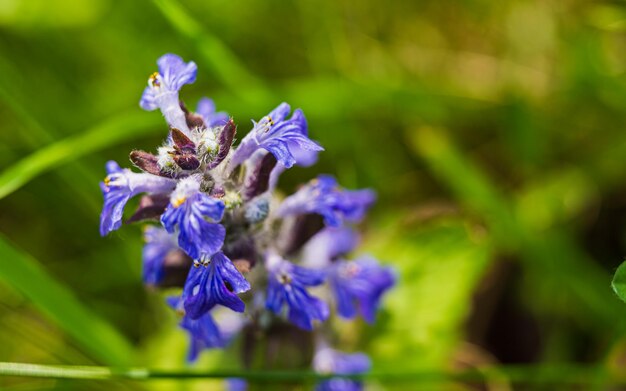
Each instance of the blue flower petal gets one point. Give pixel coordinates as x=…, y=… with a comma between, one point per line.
x=358, y=286
x=284, y=138
x=159, y=243
x=206, y=109
x=287, y=286
x=176, y=72
x=122, y=184
x=324, y=197
x=198, y=236
x=212, y=284
x=203, y=333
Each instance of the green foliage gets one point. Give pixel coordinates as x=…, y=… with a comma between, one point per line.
x=429, y=323
x=25, y=274
x=111, y=132
x=619, y=282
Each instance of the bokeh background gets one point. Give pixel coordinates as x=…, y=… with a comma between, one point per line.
x=493, y=133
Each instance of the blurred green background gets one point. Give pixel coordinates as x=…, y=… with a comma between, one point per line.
x=492, y=132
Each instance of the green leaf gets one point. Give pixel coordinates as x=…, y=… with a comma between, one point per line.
x=110, y=132
x=619, y=282
x=23, y=273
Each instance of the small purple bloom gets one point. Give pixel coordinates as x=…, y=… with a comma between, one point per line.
x=287, y=285
x=121, y=185
x=159, y=243
x=327, y=245
x=213, y=282
x=359, y=285
x=236, y=384
x=329, y=361
x=323, y=196
x=195, y=215
x=163, y=87
x=304, y=157
x=203, y=332
x=206, y=109
x=278, y=135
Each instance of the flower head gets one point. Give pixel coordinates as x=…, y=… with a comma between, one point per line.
x=287, y=286
x=121, y=185
x=329, y=361
x=211, y=282
x=195, y=215
x=280, y=136
x=163, y=87
x=324, y=197
x=211, y=213
x=359, y=285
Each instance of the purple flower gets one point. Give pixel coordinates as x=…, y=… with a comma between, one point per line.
x=323, y=196
x=329, y=361
x=213, y=282
x=278, y=135
x=203, y=332
x=236, y=384
x=159, y=243
x=287, y=286
x=163, y=87
x=122, y=184
x=304, y=157
x=327, y=245
x=206, y=109
x=359, y=285
x=195, y=215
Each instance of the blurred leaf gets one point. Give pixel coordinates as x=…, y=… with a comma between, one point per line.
x=115, y=130
x=223, y=62
x=440, y=265
x=25, y=274
x=607, y=17
x=619, y=281
x=548, y=253
x=467, y=181
x=39, y=14
x=11, y=91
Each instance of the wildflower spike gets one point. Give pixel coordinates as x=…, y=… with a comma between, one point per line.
x=224, y=231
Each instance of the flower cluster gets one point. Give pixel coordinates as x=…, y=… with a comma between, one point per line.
x=247, y=259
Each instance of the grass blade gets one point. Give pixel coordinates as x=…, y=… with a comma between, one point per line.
x=526, y=374
x=223, y=62
x=23, y=273
x=115, y=130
